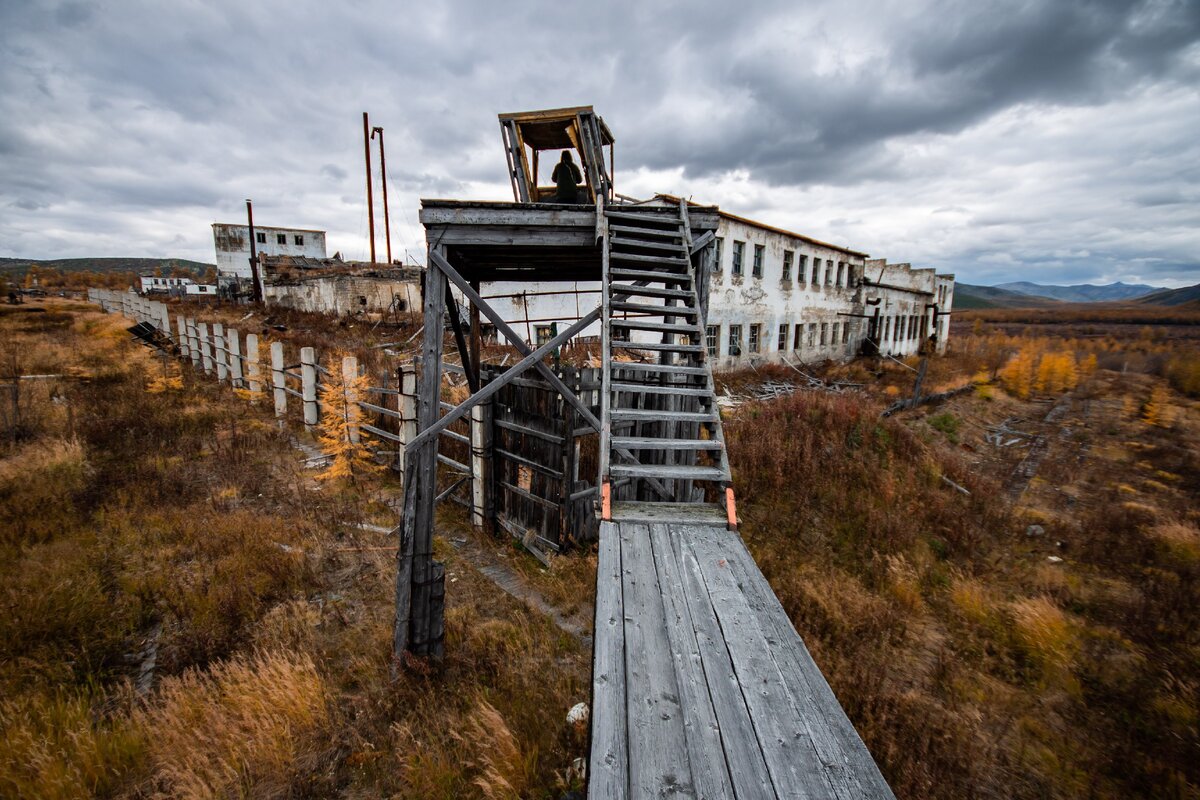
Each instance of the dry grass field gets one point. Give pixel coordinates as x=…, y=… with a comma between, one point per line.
x=189, y=612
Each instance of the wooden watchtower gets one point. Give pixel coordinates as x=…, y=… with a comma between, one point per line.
x=701, y=685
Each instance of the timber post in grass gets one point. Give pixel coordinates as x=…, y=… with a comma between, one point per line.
x=481, y=465
x=184, y=342
x=205, y=348
x=308, y=387
x=278, y=380
x=235, y=359
x=219, y=349
x=253, y=376
x=406, y=384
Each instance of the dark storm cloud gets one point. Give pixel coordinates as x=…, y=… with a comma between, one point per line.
x=961, y=135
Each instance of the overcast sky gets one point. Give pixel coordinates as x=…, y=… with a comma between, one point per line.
x=1049, y=140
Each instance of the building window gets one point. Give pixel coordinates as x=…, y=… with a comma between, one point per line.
x=846, y=332
x=783, y=331
x=542, y=331
x=712, y=338
x=840, y=273
x=833, y=338
x=739, y=252
x=802, y=270
x=816, y=272
x=824, y=332
x=261, y=237
x=812, y=334
x=758, y=260
x=298, y=239
x=799, y=331
x=788, y=255
x=281, y=238
x=755, y=336
x=735, y=340
x=828, y=273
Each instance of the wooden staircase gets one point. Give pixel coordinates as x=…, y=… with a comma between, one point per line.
x=661, y=434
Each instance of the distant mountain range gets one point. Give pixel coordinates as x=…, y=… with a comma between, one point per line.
x=19, y=266
x=1082, y=292
x=1024, y=294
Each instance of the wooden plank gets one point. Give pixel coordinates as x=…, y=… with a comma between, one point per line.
x=747, y=768
x=645, y=511
x=787, y=746
x=630, y=290
x=508, y=214
x=626, y=242
x=674, y=261
x=650, y=442
x=657, y=232
x=608, y=764
x=706, y=755
x=662, y=471
x=657, y=346
x=655, y=311
x=658, y=276
x=658, y=762
x=653, y=415
x=852, y=770
x=527, y=431
x=666, y=369
x=652, y=388
x=640, y=324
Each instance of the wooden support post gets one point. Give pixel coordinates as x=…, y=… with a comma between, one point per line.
x=184, y=341
x=308, y=387
x=406, y=381
x=219, y=351
x=235, y=359
x=481, y=465
x=205, y=349
x=253, y=373
x=278, y=379
x=349, y=376
x=416, y=630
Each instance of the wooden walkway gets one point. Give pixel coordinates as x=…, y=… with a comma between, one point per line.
x=701, y=686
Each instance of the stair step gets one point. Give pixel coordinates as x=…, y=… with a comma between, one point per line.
x=675, y=261
x=658, y=415
x=670, y=217
x=645, y=511
x=658, y=311
x=621, y=241
x=660, y=327
x=675, y=234
x=650, y=443
x=667, y=347
x=679, y=278
x=615, y=289
x=667, y=471
x=669, y=369
x=703, y=392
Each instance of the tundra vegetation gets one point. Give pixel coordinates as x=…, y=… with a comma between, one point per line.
x=191, y=612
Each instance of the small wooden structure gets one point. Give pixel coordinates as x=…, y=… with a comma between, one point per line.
x=701, y=686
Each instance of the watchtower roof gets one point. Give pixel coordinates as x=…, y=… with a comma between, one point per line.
x=551, y=129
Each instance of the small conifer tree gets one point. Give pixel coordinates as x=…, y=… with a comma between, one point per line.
x=341, y=425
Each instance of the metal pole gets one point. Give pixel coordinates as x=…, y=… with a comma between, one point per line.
x=370, y=197
x=387, y=226
x=254, y=276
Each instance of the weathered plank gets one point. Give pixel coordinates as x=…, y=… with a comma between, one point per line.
x=608, y=769
x=786, y=744
x=710, y=773
x=853, y=772
x=658, y=763
x=747, y=768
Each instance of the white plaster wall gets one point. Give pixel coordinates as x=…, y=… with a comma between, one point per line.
x=232, y=244
x=344, y=294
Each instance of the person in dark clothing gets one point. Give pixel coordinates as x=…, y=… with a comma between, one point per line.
x=566, y=177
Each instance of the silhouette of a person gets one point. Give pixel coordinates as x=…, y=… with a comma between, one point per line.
x=566, y=177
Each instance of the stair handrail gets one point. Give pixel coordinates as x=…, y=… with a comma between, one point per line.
x=604, y=479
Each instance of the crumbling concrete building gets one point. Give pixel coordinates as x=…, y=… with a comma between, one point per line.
x=332, y=286
x=232, y=244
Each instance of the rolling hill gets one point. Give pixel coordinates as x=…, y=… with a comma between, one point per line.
x=968, y=296
x=1173, y=297
x=1082, y=292
x=10, y=267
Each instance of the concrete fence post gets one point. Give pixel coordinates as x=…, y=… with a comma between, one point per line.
x=349, y=375
x=184, y=344
x=278, y=378
x=235, y=359
x=407, y=429
x=218, y=341
x=253, y=378
x=205, y=348
x=481, y=462
x=193, y=342
x=308, y=386
x=165, y=316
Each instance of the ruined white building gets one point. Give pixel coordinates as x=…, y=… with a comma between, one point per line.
x=154, y=284
x=775, y=295
x=232, y=243
x=332, y=286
